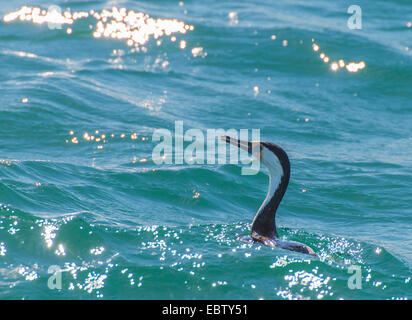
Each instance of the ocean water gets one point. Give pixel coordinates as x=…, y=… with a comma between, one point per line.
x=120, y=226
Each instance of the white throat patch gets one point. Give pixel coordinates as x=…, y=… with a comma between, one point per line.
x=271, y=161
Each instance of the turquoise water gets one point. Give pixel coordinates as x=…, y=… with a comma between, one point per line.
x=122, y=227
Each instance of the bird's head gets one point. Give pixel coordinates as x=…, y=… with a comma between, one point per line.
x=256, y=149
x=270, y=154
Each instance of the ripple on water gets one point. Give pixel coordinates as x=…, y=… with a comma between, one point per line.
x=231, y=68
x=198, y=260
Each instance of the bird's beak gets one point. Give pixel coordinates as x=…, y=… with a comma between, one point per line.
x=253, y=148
x=244, y=145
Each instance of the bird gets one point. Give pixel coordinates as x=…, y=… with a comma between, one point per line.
x=276, y=160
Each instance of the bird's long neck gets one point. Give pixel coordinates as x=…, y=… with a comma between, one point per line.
x=264, y=224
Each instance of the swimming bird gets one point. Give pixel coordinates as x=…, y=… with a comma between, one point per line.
x=277, y=162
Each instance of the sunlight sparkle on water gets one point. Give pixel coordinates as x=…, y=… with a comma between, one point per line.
x=102, y=139
x=135, y=28
x=336, y=66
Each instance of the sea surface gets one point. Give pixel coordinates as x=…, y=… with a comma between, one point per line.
x=81, y=193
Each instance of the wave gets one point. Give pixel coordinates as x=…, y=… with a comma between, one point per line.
x=97, y=259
